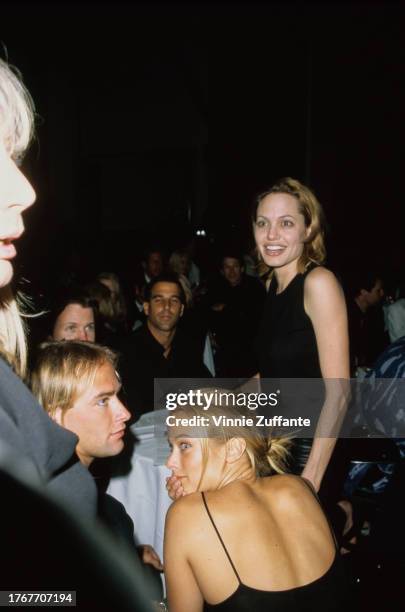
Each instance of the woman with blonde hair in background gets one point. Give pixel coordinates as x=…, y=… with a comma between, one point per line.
x=179, y=263
x=244, y=536
x=112, y=282
x=111, y=329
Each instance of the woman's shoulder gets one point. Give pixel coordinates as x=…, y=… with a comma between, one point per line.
x=282, y=490
x=185, y=522
x=290, y=493
x=319, y=275
x=185, y=508
x=286, y=484
x=322, y=283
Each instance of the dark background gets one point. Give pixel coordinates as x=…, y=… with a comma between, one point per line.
x=159, y=120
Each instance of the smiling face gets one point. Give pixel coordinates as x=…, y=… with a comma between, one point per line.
x=97, y=417
x=16, y=195
x=75, y=322
x=280, y=231
x=164, y=308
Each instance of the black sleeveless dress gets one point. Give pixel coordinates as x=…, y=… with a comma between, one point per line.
x=287, y=349
x=329, y=593
x=286, y=342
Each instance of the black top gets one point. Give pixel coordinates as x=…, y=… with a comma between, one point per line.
x=235, y=325
x=286, y=343
x=114, y=516
x=367, y=338
x=329, y=593
x=143, y=360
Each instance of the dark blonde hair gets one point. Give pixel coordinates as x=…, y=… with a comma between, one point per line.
x=310, y=208
x=267, y=454
x=64, y=370
x=119, y=307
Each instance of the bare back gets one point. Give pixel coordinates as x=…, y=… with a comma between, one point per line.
x=273, y=529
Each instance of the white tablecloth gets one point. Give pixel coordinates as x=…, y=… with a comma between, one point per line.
x=143, y=491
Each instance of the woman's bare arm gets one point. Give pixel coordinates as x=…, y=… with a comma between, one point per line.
x=183, y=592
x=325, y=305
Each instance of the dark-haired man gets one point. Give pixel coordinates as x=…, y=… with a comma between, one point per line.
x=160, y=348
x=75, y=320
x=366, y=320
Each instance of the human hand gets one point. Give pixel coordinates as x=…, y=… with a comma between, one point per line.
x=150, y=557
x=174, y=487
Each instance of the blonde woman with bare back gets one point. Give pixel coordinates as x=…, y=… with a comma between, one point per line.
x=244, y=536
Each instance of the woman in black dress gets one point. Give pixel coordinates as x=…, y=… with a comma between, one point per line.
x=243, y=538
x=304, y=327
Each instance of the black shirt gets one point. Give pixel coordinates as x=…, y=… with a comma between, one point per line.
x=143, y=360
x=235, y=325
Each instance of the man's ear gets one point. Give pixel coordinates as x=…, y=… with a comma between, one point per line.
x=146, y=308
x=235, y=447
x=182, y=310
x=58, y=416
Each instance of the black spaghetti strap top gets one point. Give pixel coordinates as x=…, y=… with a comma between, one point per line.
x=329, y=593
x=286, y=344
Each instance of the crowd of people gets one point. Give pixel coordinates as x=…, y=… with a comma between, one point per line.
x=258, y=521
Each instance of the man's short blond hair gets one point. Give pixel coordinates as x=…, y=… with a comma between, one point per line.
x=64, y=370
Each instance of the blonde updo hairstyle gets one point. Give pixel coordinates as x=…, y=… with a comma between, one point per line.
x=267, y=455
x=310, y=208
x=16, y=131
x=64, y=370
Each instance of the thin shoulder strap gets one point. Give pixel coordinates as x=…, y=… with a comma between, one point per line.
x=220, y=539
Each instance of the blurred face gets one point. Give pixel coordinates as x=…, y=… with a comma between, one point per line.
x=164, y=308
x=154, y=264
x=183, y=265
x=109, y=283
x=75, y=323
x=280, y=231
x=232, y=271
x=186, y=461
x=16, y=195
x=98, y=418
x=375, y=295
